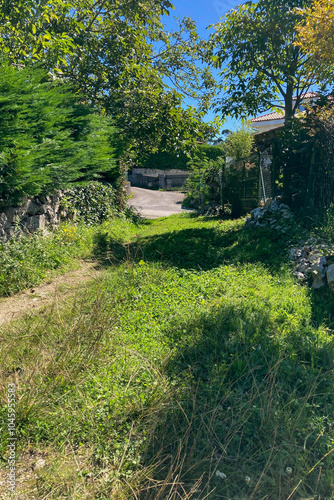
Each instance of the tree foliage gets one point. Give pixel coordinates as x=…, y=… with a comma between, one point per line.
x=118, y=55
x=48, y=139
x=308, y=146
x=261, y=67
x=316, y=37
x=239, y=144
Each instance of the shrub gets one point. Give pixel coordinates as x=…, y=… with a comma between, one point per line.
x=95, y=202
x=212, y=181
x=48, y=139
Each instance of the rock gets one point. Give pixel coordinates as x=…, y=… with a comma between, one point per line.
x=4, y=221
x=11, y=214
x=274, y=206
x=318, y=270
x=256, y=212
x=330, y=277
x=36, y=222
x=300, y=276
x=32, y=208
x=292, y=254
x=40, y=463
x=303, y=266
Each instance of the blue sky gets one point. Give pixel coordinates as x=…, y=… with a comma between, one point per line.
x=204, y=12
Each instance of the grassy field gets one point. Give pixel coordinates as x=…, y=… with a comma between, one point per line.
x=195, y=368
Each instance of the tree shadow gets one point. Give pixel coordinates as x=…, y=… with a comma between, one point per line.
x=322, y=303
x=244, y=404
x=199, y=248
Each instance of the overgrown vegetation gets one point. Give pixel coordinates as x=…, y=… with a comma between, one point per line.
x=27, y=260
x=196, y=368
x=218, y=173
x=303, y=154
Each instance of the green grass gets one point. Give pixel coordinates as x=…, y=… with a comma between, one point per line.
x=28, y=260
x=196, y=353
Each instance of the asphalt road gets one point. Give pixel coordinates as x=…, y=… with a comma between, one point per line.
x=153, y=204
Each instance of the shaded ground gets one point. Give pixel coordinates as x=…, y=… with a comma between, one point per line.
x=154, y=204
x=12, y=308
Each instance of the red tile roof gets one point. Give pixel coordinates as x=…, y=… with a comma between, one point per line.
x=270, y=116
x=280, y=115
x=308, y=95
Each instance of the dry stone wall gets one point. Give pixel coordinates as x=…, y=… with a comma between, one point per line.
x=38, y=213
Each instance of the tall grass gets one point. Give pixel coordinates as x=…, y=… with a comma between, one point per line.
x=26, y=260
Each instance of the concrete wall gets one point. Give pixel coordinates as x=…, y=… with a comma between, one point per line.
x=159, y=179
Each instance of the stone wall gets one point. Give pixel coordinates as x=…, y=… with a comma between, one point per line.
x=40, y=212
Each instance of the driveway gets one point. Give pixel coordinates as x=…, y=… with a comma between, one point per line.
x=153, y=204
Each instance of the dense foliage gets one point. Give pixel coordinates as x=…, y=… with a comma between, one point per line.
x=261, y=68
x=316, y=37
x=164, y=161
x=93, y=203
x=308, y=147
x=218, y=172
x=48, y=139
x=118, y=54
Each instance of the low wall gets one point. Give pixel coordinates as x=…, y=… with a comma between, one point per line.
x=35, y=213
x=160, y=179
x=155, y=172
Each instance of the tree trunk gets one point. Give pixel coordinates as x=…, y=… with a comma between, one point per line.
x=287, y=169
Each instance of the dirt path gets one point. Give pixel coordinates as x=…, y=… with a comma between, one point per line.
x=154, y=204
x=41, y=296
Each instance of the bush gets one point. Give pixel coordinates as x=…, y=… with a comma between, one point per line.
x=95, y=202
x=303, y=156
x=48, y=139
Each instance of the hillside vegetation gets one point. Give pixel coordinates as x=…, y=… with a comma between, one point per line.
x=194, y=368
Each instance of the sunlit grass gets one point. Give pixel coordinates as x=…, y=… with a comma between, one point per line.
x=194, y=368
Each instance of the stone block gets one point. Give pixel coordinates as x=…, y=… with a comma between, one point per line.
x=11, y=214
x=32, y=208
x=330, y=277
x=319, y=273
x=35, y=222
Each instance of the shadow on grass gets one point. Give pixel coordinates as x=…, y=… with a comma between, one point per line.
x=198, y=248
x=246, y=403
x=322, y=302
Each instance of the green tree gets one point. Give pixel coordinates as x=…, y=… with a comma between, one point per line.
x=261, y=67
x=118, y=55
x=48, y=139
x=239, y=145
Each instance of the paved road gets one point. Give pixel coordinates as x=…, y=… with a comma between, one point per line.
x=153, y=204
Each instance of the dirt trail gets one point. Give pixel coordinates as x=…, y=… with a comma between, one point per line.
x=40, y=296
